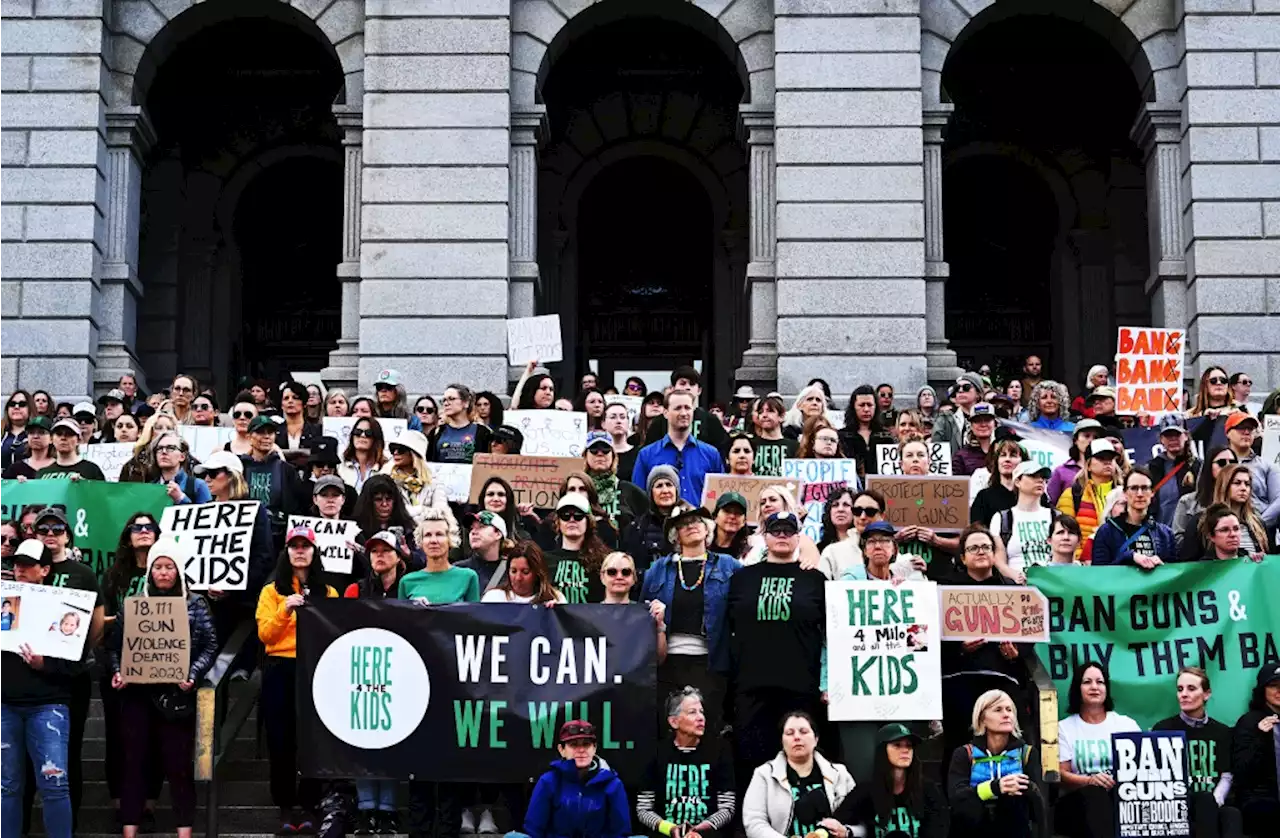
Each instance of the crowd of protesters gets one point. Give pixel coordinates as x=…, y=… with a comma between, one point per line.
x=738, y=611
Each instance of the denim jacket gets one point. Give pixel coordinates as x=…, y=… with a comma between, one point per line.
x=660, y=583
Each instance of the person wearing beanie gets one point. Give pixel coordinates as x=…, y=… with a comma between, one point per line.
x=646, y=540
x=1253, y=754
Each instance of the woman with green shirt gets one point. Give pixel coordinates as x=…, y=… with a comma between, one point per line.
x=439, y=583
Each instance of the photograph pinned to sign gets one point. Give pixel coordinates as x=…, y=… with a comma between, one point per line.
x=54, y=622
x=534, y=339
x=550, y=433
x=333, y=539
x=217, y=537
x=1149, y=370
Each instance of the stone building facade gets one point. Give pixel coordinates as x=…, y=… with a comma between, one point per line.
x=866, y=190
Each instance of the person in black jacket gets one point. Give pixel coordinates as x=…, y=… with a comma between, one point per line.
x=898, y=800
x=271, y=480
x=993, y=781
x=1253, y=755
x=295, y=433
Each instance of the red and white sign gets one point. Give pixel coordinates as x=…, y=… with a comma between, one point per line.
x=1149, y=370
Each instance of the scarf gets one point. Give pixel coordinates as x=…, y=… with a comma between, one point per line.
x=607, y=493
x=408, y=481
x=1193, y=723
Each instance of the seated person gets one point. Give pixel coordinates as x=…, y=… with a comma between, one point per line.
x=579, y=795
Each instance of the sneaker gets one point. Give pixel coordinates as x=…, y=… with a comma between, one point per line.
x=388, y=823
x=486, y=825
x=366, y=822
x=468, y=822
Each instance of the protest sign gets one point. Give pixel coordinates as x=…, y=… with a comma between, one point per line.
x=97, y=511
x=993, y=613
x=1145, y=624
x=157, y=641
x=632, y=403
x=1271, y=440
x=54, y=622
x=841, y=470
x=939, y=503
x=203, y=440
x=550, y=433
x=455, y=478
x=534, y=339
x=535, y=480
x=883, y=651
x=333, y=539
x=1149, y=370
x=218, y=536
x=482, y=688
x=1151, y=794
x=108, y=456
x=813, y=498
x=888, y=458
x=749, y=487
x=339, y=427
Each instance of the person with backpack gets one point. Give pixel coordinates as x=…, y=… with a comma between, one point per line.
x=899, y=800
x=1135, y=537
x=993, y=782
x=1174, y=470
x=1086, y=497
x=1024, y=528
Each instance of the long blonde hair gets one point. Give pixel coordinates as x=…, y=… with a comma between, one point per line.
x=1244, y=511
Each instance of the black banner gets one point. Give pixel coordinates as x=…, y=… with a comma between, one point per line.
x=470, y=692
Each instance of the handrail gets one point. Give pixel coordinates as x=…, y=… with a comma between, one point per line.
x=1047, y=702
x=217, y=723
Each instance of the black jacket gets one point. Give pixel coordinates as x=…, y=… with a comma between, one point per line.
x=1253, y=759
x=311, y=431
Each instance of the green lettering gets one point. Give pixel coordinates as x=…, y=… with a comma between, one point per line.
x=542, y=723
x=496, y=723
x=466, y=717
x=607, y=741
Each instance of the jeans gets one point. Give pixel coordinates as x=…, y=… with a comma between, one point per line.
x=379, y=795
x=43, y=732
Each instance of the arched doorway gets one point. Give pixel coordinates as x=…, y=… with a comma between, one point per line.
x=1044, y=192
x=242, y=201
x=643, y=196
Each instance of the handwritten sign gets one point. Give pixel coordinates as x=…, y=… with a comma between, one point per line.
x=632, y=404
x=749, y=487
x=535, y=480
x=884, y=651
x=456, y=479
x=1271, y=440
x=550, y=433
x=53, y=621
x=203, y=440
x=843, y=471
x=985, y=612
x=339, y=427
x=1149, y=370
x=157, y=641
x=219, y=536
x=888, y=458
x=332, y=540
x=108, y=456
x=534, y=339
x=939, y=503
x=813, y=498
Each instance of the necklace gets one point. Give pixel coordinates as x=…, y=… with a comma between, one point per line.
x=702, y=572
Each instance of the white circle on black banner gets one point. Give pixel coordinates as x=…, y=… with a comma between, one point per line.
x=371, y=688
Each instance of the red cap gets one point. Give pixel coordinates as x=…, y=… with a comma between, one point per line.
x=301, y=531
x=1237, y=417
x=572, y=731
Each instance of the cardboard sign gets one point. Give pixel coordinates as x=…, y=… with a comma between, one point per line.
x=939, y=503
x=218, y=536
x=985, y=612
x=108, y=456
x=339, y=427
x=550, y=433
x=888, y=458
x=535, y=480
x=749, y=487
x=1149, y=370
x=534, y=339
x=843, y=471
x=884, y=650
x=456, y=479
x=54, y=622
x=332, y=540
x=204, y=440
x=1152, y=784
x=157, y=641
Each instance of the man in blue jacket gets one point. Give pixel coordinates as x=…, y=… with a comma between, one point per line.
x=579, y=795
x=1135, y=537
x=692, y=459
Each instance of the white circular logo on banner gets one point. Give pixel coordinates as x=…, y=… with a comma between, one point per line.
x=371, y=688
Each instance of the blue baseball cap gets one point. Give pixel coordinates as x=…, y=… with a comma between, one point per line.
x=878, y=528
x=595, y=438
x=782, y=521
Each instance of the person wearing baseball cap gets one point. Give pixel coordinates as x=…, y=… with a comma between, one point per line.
x=621, y=500
x=390, y=399
x=275, y=478
x=579, y=794
x=487, y=539
x=1086, y=431
x=1086, y=497
x=575, y=561
x=112, y=404
x=978, y=436
x=1241, y=430
x=1174, y=469
x=966, y=392
x=1024, y=527
x=86, y=418
x=67, y=460
x=895, y=797
x=36, y=452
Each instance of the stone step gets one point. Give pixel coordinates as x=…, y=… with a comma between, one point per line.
x=231, y=819
x=232, y=766
x=232, y=789
x=241, y=748
x=97, y=729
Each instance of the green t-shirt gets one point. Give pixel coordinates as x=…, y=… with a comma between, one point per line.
x=441, y=587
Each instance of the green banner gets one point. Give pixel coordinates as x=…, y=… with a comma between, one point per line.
x=1222, y=616
x=95, y=510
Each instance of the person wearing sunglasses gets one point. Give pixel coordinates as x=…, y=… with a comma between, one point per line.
x=36, y=454
x=844, y=549
x=365, y=454
x=1213, y=397
x=408, y=468
x=171, y=465
x=1241, y=385
x=243, y=412
x=1174, y=469
x=576, y=559
x=1186, y=516
x=16, y=415
x=950, y=428
x=68, y=464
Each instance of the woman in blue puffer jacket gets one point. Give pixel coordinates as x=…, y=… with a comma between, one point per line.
x=580, y=795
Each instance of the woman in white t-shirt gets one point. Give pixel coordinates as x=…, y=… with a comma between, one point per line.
x=527, y=580
x=1087, y=808
x=1023, y=531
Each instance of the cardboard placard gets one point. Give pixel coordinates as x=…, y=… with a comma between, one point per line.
x=534, y=480
x=1149, y=370
x=157, y=641
x=456, y=479
x=939, y=503
x=53, y=621
x=888, y=458
x=1271, y=440
x=749, y=487
x=108, y=456
x=218, y=536
x=333, y=540
x=534, y=339
x=339, y=427
x=550, y=433
x=1019, y=614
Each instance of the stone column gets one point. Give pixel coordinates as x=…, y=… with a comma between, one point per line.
x=760, y=361
x=941, y=360
x=1158, y=132
x=528, y=129
x=344, y=362
x=129, y=137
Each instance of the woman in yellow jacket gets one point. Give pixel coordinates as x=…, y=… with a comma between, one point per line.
x=1085, y=499
x=299, y=579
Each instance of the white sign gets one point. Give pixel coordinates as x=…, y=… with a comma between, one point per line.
x=840, y=470
x=204, y=440
x=632, y=404
x=1271, y=446
x=534, y=339
x=218, y=537
x=339, y=427
x=456, y=479
x=108, y=456
x=54, y=622
x=888, y=462
x=883, y=651
x=550, y=433
x=333, y=540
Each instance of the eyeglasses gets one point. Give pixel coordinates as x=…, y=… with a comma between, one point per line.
x=17, y=404
x=1217, y=379
x=882, y=541
x=51, y=529
x=1223, y=463
x=834, y=440
x=167, y=449
x=1227, y=530
x=362, y=432
x=243, y=414
x=140, y=527
x=176, y=389
x=571, y=515
x=624, y=572
x=449, y=399
x=1142, y=490
x=13, y=540
x=979, y=549
x=866, y=511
